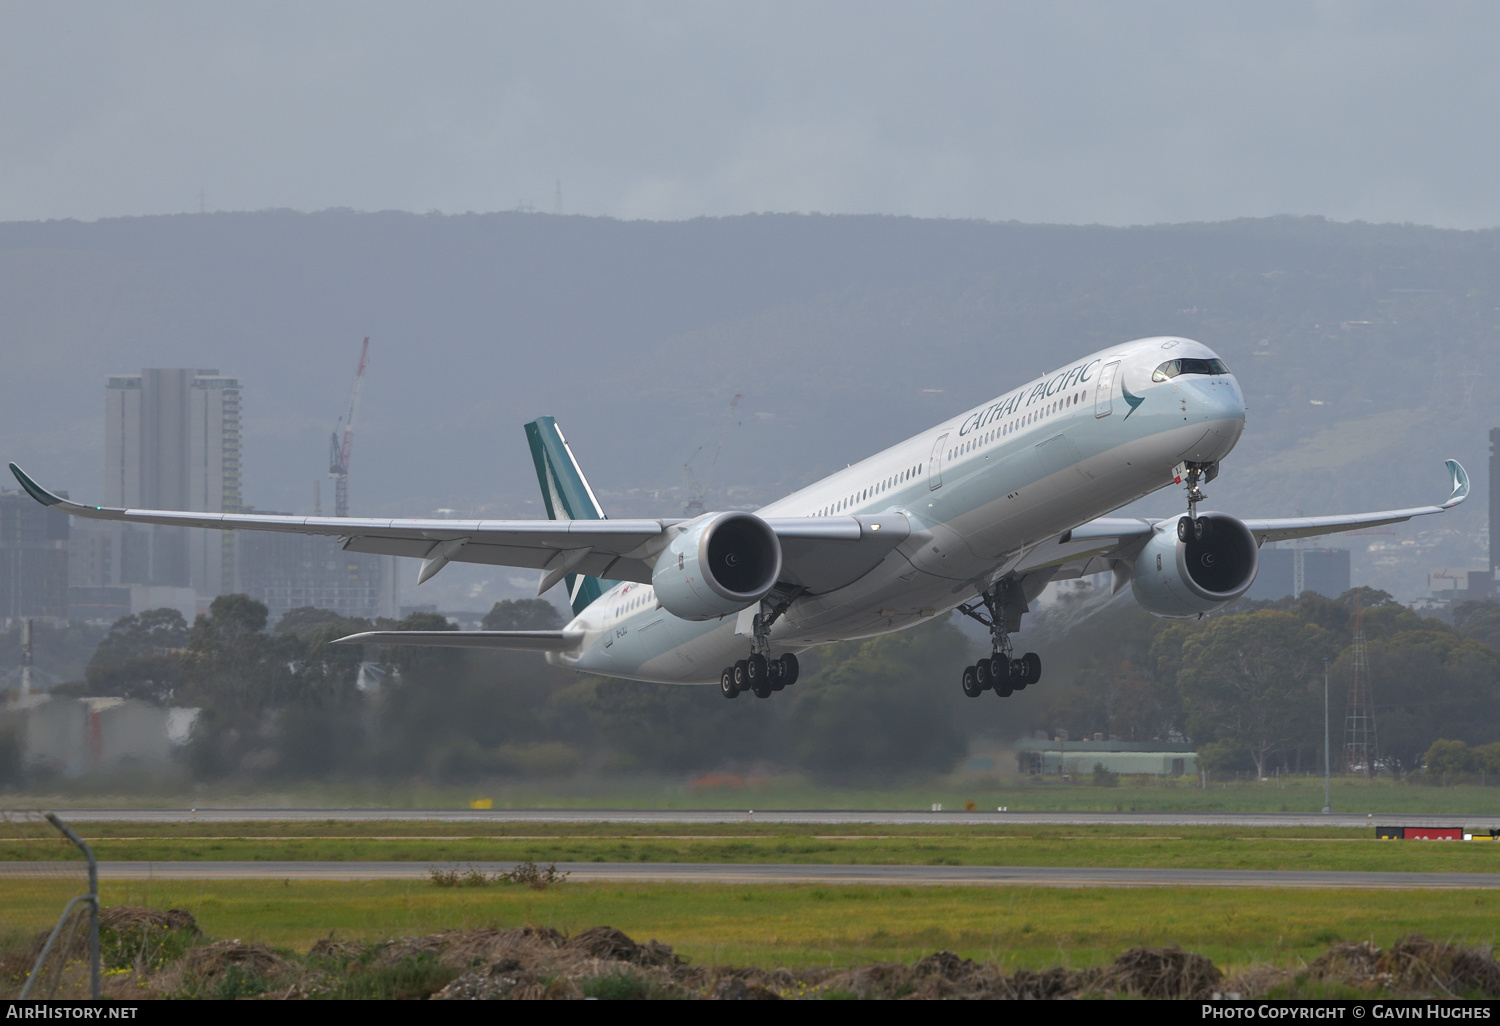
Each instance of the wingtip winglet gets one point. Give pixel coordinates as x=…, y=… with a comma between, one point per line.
x=33, y=489
x=1460, y=483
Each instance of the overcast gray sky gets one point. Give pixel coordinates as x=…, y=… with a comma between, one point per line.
x=1110, y=112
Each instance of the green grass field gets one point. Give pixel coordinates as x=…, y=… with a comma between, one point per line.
x=1290, y=794
x=937, y=844
x=806, y=925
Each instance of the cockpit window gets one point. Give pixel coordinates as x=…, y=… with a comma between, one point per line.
x=1172, y=368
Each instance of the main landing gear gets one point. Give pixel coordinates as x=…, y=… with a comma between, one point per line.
x=760, y=674
x=1002, y=673
x=1001, y=613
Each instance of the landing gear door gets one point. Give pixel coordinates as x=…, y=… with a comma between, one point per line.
x=935, y=464
x=1104, y=391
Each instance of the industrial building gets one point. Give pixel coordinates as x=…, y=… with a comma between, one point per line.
x=78, y=737
x=1059, y=756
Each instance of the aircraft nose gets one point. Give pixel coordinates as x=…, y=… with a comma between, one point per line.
x=1221, y=407
x=1217, y=398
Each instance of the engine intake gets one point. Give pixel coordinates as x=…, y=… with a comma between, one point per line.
x=1185, y=578
x=718, y=564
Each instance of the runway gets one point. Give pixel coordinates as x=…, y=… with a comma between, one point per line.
x=824, y=817
x=716, y=873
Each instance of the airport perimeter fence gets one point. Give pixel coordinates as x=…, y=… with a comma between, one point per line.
x=49, y=910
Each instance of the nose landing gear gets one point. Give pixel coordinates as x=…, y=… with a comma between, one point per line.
x=1192, y=527
x=1002, y=673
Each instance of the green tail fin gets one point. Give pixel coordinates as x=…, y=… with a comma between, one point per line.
x=567, y=496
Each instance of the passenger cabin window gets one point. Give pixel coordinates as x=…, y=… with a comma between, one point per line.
x=1172, y=368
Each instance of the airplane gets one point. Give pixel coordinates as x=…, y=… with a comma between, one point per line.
x=977, y=514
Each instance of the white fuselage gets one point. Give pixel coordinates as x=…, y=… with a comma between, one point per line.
x=980, y=490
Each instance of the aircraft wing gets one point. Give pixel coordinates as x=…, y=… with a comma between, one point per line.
x=1308, y=527
x=818, y=553
x=1092, y=547
x=528, y=641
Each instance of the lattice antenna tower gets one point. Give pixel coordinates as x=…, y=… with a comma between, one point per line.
x=1359, y=719
x=1299, y=565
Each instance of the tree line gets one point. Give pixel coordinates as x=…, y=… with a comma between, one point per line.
x=1245, y=687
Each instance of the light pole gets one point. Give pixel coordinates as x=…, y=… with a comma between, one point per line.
x=1327, y=802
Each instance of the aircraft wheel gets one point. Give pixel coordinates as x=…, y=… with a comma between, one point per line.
x=742, y=675
x=999, y=668
x=1004, y=689
x=762, y=691
x=758, y=671
x=726, y=683
x=789, y=669
x=1203, y=529
x=982, y=679
x=1033, y=667
x=1184, y=529
x=971, y=686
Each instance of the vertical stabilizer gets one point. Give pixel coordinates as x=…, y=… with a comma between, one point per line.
x=567, y=496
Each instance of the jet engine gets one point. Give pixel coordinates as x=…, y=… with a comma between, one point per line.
x=1211, y=568
x=718, y=564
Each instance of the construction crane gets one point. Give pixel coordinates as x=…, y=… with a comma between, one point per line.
x=695, y=505
x=340, y=449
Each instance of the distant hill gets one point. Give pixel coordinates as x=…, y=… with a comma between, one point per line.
x=1369, y=352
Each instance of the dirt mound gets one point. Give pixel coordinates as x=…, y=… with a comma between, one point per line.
x=1416, y=963
x=939, y=975
x=132, y=918
x=609, y=944
x=333, y=948
x=213, y=960
x=601, y=961
x=530, y=963
x=1161, y=973
x=465, y=949
x=735, y=989
x=1347, y=962
x=1412, y=966
x=1045, y=985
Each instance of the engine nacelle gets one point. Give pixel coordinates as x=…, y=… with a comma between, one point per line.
x=1177, y=578
x=721, y=563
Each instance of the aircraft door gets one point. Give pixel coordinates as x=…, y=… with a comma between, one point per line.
x=935, y=464
x=1104, y=392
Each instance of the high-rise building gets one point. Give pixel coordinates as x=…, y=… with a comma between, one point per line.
x=33, y=559
x=1494, y=504
x=172, y=441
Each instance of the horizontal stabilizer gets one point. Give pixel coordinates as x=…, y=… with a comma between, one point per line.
x=531, y=641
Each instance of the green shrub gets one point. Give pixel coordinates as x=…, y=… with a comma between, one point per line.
x=413, y=978
x=618, y=986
